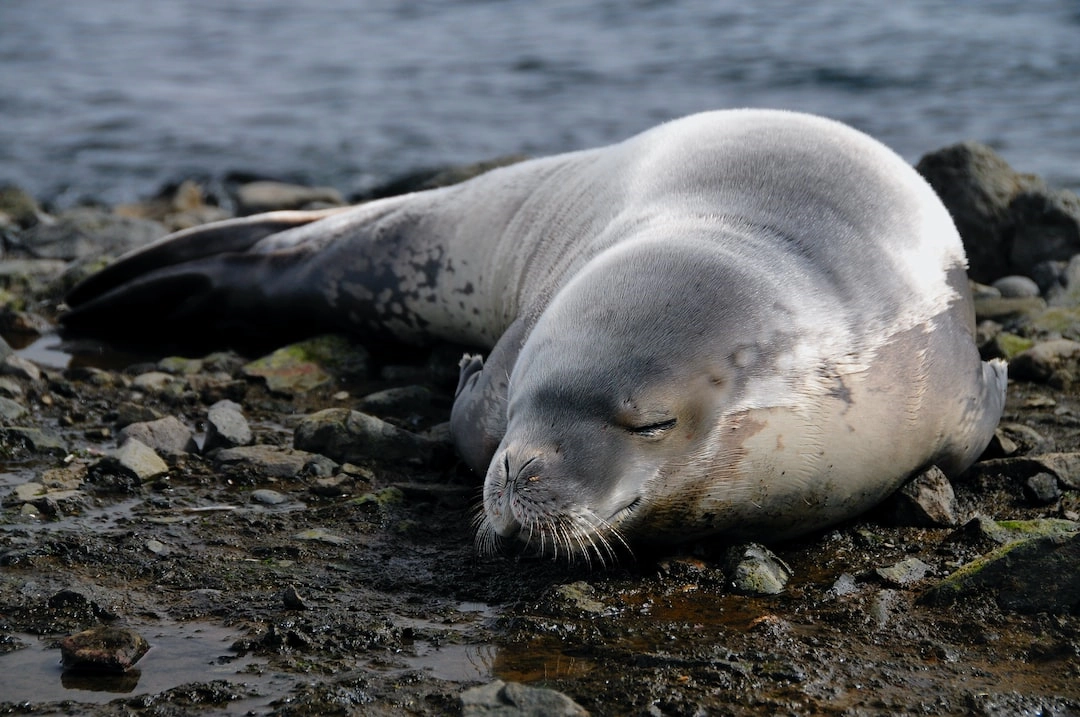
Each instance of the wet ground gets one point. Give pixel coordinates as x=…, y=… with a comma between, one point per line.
x=370, y=598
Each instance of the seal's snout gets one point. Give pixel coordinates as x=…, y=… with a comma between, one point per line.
x=511, y=493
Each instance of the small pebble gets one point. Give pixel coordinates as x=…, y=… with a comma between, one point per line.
x=1012, y=287
x=268, y=497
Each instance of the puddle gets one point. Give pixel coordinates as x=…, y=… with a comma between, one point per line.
x=179, y=654
x=455, y=663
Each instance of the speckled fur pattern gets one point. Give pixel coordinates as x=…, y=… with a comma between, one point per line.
x=747, y=322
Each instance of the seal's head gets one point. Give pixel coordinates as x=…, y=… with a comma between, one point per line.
x=619, y=401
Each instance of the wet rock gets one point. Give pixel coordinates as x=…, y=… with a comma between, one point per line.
x=128, y=413
x=1063, y=466
x=511, y=699
x=753, y=569
x=226, y=427
x=292, y=600
x=977, y=186
x=20, y=368
x=1035, y=575
x=268, y=497
x=137, y=460
x=1042, y=489
x=11, y=410
x=103, y=649
x=1041, y=362
x=1015, y=286
x=267, y=196
x=578, y=597
x=26, y=492
x=927, y=500
x=351, y=436
x=269, y=461
x=904, y=573
x=19, y=439
x=88, y=232
x=988, y=534
x=333, y=486
x=156, y=547
x=844, y=585
x=167, y=436
x=62, y=502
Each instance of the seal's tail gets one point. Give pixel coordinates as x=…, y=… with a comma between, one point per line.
x=203, y=279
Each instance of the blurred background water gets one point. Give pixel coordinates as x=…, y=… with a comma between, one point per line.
x=109, y=99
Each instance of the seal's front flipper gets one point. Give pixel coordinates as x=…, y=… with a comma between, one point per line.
x=478, y=420
x=198, y=280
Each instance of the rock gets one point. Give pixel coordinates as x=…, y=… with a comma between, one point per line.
x=1036, y=575
x=18, y=438
x=10, y=387
x=904, y=573
x=1000, y=446
x=19, y=367
x=138, y=460
x=350, y=436
x=977, y=186
x=986, y=534
x=180, y=366
x=20, y=207
x=333, y=486
x=62, y=502
x=88, y=231
x=268, y=497
x=268, y=461
x=103, y=649
x=1007, y=345
x=754, y=570
x=176, y=206
x=159, y=383
x=1056, y=322
x=226, y=427
x=11, y=410
x=26, y=492
x=578, y=598
x=1042, y=489
x=291, y=599
x=320, y=535
x=303, y=366
x=1046, y=226
x=267, y=196
x=511, y=699
x=128, y=413
x=166, y=435
x=927, y=500
x=1009, y=310
x=1042, y=361
x=1015, y=286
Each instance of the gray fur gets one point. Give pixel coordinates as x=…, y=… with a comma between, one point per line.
x=745, y=322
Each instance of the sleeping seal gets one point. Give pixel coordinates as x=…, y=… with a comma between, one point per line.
x=752, y=323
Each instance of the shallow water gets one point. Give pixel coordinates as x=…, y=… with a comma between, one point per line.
x=110, y=98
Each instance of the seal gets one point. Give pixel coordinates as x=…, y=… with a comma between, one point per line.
x=749, y=323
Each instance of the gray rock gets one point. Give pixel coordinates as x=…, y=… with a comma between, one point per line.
x=1046, y=226
x=753, y=569
x=291, y=599
x=139, y=460
x=268, y=497
x=32, y=440
x=927, y=500
x=350, y=436
x=269, y=461
x=89, y=231
x=512, y=699
x=1041, y=362
x=11, y=410
x=267, y=196
x=128, y=413
x=158, y=383
x=19, y=367
x=1039, y=574
x=103, y=649
x=226, y=427
x=1009, y=310
x=167, y=436
x=977, y=186
x=904, y=573
x=1016, y=286
x=1042, y=489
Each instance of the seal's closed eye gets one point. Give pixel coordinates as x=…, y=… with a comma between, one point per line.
x=653, y=430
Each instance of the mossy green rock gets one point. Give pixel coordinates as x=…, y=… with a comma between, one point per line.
x=306, y=365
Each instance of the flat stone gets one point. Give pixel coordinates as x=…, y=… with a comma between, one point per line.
x=139, y=460
x=350, y=436
x=271, y=461
x=267, y=496
x=512, y=699
x=904, y=573
x=927, y=500
x=11, y=410
x=32, y=440
x=19, y=367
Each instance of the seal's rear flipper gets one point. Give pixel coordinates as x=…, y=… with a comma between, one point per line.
x=197, y=280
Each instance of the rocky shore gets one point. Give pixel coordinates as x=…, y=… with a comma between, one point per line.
x=285, y=529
